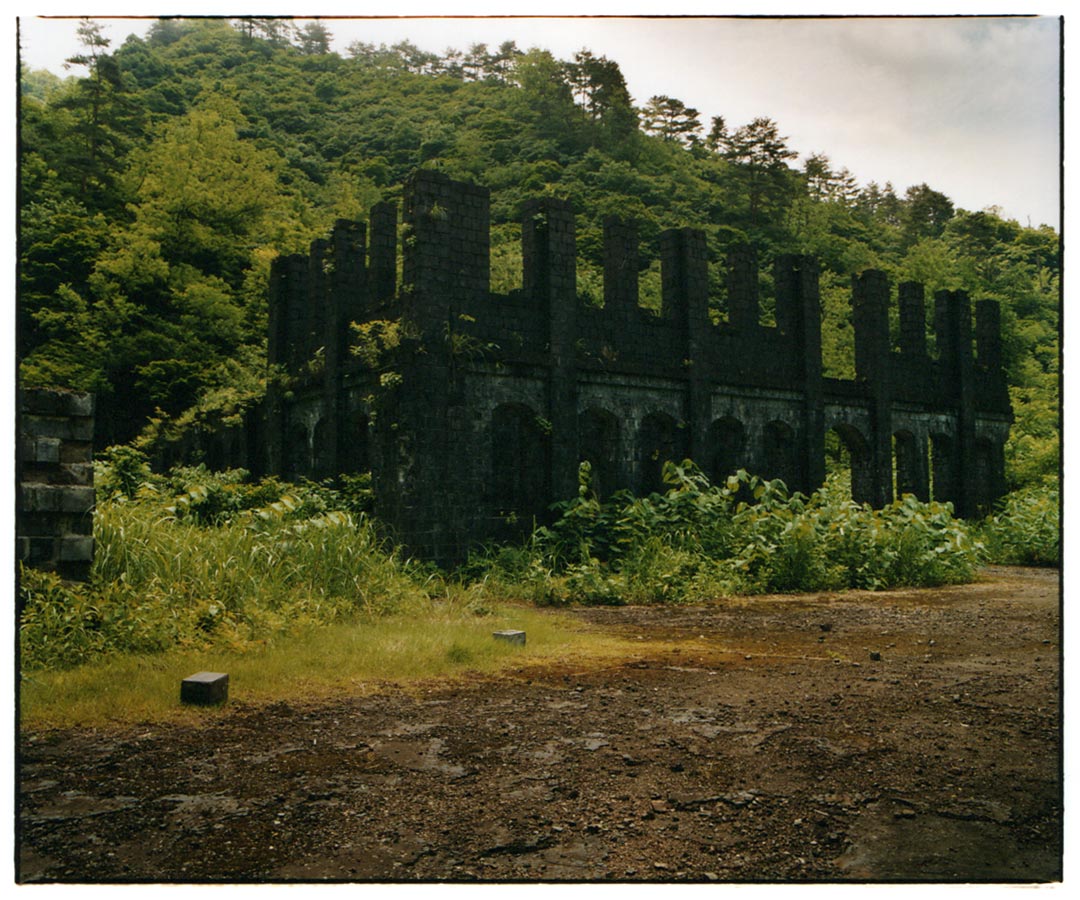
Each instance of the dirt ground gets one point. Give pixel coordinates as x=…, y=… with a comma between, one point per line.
x=903, y=736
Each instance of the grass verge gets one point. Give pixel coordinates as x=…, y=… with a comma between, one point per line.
x=312, y=665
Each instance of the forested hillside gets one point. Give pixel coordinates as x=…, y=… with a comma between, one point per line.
x=159, y=181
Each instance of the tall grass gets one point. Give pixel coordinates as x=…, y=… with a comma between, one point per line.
x=194, y=560
x=312, y=663
x=161, y=578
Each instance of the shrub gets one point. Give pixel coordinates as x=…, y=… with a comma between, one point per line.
x=1026, y=529
x=698, y=541
x=197, y=558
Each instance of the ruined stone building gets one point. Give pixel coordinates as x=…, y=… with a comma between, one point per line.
x=478, y=418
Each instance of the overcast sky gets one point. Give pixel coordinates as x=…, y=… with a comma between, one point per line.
x=969, y=106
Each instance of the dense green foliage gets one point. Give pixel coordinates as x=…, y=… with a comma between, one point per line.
x=1025, y=530
x=194, y=559
x=197, y=559
x=156, y=188
x=700, y=541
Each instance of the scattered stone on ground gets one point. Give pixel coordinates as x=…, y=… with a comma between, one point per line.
x=757, y=752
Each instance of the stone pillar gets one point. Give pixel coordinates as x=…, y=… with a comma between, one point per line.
x=870, y=302
x=620, y=266
x=988, y=335
x=952, y=319
x=786, y=292
x=347, y=282
x=445, y=270
x=807, y=333
x=549, y=278
x=54, y=515
x=342, y=299
x=684, y=276
x=382, y=254
x=912, y=319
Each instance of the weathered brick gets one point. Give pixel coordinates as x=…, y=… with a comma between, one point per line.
x=57, y=498
x=558, y=359
x=76, y=548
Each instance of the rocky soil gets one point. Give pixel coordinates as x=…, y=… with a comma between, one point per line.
x=903, y=736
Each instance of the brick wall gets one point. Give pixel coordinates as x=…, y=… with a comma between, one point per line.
x=491, y=400
x=54, y=459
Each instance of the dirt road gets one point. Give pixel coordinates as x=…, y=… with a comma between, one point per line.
x=903, y=736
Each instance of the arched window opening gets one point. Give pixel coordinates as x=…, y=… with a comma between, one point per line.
x=909, y=471
x=659, y=440
x=727, y=449
x=355, y=453
x=322, y=452
x=847, y=462
x=598, y=437
x=943, y=469
x=779, y=453
x=520, y=455
x=298, y=452
x=984, y=485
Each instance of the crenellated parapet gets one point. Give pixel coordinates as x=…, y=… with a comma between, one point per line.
x=445, y=263
x=552, y=379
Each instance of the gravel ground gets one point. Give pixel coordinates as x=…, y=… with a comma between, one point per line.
x=910, y=736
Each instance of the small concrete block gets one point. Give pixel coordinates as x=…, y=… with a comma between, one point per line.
x=205, y=688
x=511, y=637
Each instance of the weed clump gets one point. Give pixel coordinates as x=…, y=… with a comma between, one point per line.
x=1025, y=529
x=193, y=559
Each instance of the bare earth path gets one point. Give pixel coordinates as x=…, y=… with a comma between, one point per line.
x=904, y=736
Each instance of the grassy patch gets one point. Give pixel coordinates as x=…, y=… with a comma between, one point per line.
x=315, y=663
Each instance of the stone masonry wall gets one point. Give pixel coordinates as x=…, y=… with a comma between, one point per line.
x=54, y=459
x=478, y=419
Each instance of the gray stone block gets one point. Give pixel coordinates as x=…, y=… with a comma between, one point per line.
x=511, y=637
x=68, y=429
x=52, y=498
x=76, y=548
x=47, y=450
x=205, y=688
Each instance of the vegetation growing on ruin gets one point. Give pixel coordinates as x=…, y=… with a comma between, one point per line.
x=193, y=561
x=143, y=265
x=158, y=183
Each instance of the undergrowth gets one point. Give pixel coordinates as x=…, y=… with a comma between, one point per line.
x=1025, y=529
x=700, y=541
x=192, y=559
x=197, y=559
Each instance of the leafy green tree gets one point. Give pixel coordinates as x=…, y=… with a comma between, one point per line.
x=314, y=39
x=717, y=135
x=547, y=93
x=881, y=205
x=203, y=193
x=37, y=84
x=501, y=63
x=823, y=183
x=925, y=213
x=760, y=154
x=671, y=119
x=600, y=90
x=274, y=31
x=103, y=119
